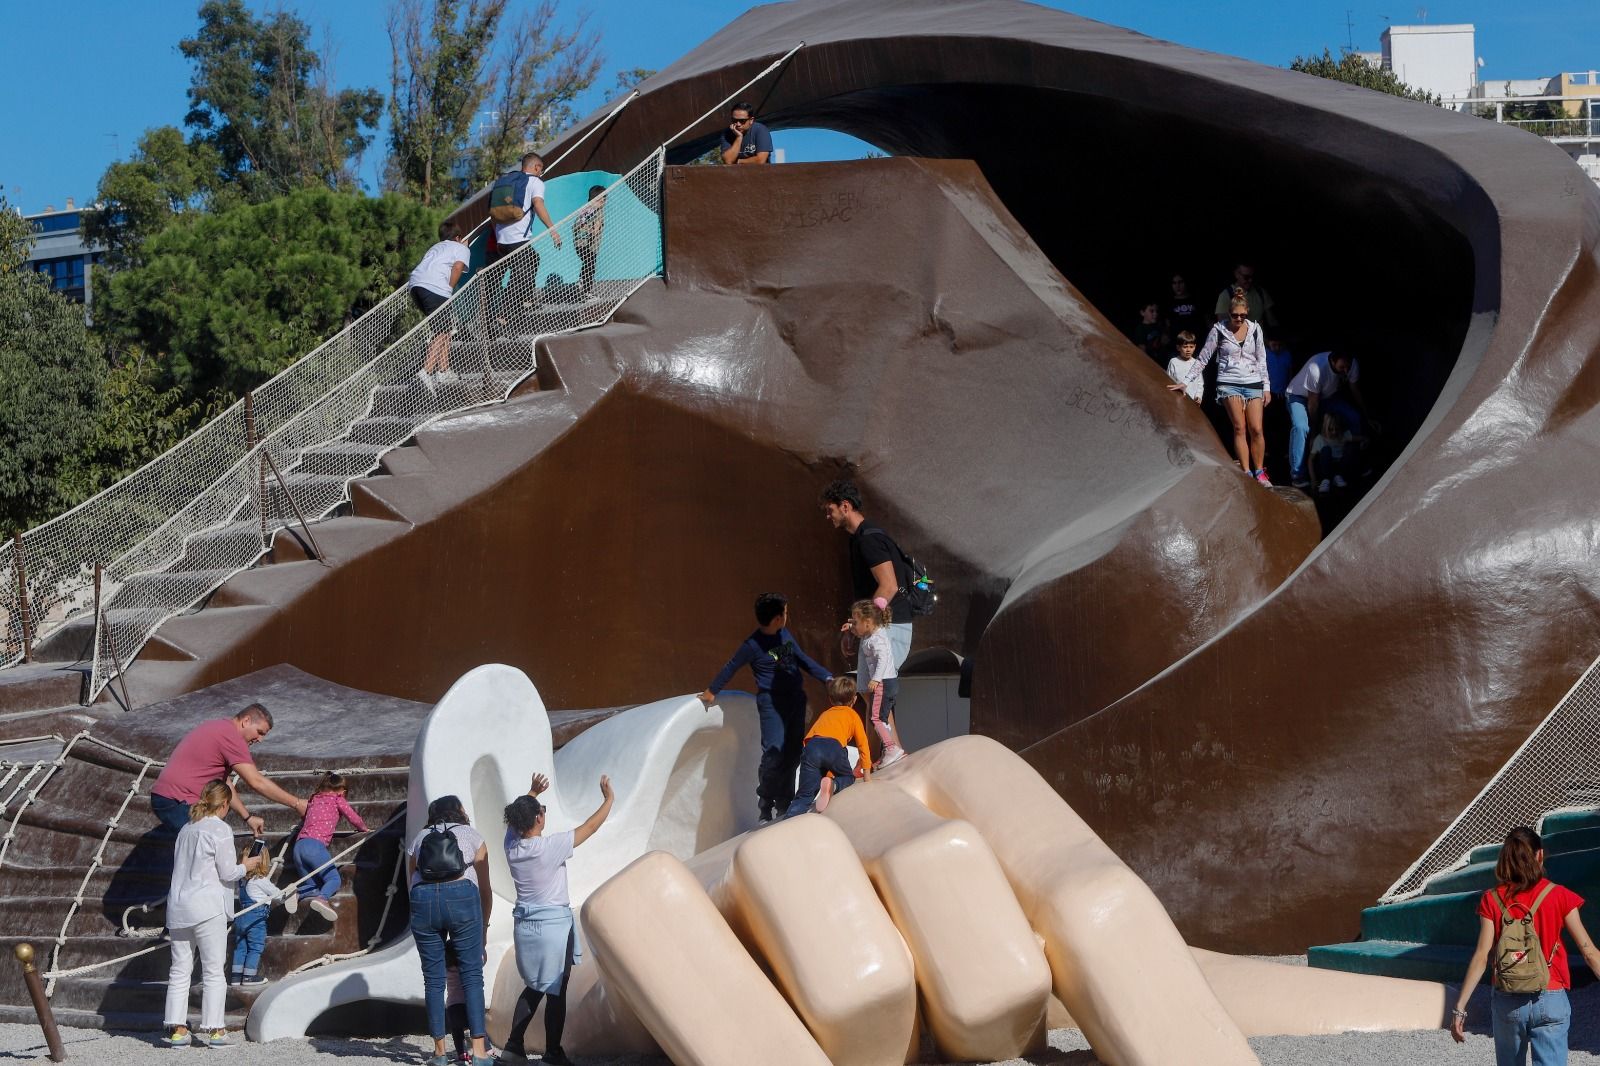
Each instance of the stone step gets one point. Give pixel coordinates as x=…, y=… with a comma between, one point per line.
x=1418, y=962
x=343, y=458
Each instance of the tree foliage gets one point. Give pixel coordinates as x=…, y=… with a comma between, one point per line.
x=166, y=177
x=51, y=376
x=137, y=421
x=1353, y=70
x=452, y=61
x=224, y=301
x=261, y=98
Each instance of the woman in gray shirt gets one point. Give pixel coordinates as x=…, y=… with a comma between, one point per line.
x=545, y=935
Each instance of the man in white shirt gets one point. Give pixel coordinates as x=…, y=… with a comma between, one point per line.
x=432, y=282
x=511, y=237
x=1317, y=385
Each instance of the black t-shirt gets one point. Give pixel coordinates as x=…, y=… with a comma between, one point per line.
x=869, y=546
x=1185, y=314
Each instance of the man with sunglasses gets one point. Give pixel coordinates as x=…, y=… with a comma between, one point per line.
x=1261, y=304
x=746, y=140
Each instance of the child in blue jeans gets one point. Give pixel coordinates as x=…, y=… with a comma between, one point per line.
x=776, y=660
x=323, y=812
x=250, y=930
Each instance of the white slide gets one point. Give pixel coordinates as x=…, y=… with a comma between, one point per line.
x=684, y=777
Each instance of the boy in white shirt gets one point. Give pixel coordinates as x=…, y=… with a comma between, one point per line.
x=432, y=282
x=1180, y=366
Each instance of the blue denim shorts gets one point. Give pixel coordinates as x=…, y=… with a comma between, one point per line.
x=1244, y=392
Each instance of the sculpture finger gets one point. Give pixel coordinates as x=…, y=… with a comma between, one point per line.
x=665, y=950
x=1117, y=961
x=984, y=980
x=1269, y=999
x=797, y=895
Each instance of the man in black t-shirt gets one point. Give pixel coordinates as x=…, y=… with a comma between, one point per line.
x=877, y=565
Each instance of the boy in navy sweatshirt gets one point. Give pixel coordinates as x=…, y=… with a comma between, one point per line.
x=776, y=661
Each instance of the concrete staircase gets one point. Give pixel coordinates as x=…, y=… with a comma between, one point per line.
x=54, y=845
x=1430, y=937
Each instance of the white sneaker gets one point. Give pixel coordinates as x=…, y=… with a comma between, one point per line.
x=291, y=902
x=324, y=908
x=1325, y=486
x=447, y=376
x=892, y=756
x=427, y=381
x=1339, y=482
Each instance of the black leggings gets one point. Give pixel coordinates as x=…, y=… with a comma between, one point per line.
x=555, y=1010
x=555, y=1018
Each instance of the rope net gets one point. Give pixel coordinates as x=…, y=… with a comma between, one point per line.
x=172, y=532
x=1556, y=769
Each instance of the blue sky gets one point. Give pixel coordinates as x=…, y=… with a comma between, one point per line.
x=72, y=97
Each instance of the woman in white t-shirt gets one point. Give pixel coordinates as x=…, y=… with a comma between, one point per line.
x=199, y=903
x=432, y=282
x=450, y=901
x=545, y=935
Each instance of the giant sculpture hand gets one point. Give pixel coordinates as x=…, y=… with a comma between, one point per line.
x=957, y=880
x=956, y=883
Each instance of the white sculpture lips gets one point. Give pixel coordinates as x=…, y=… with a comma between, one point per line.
x=684, y=777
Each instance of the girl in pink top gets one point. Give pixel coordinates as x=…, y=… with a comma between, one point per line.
x=311, y=847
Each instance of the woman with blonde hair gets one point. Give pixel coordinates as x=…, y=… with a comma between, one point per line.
x=198, y=905
x=1520, y=921
x=1244, y=388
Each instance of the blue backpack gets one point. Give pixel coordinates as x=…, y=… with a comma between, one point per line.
x=506, y=197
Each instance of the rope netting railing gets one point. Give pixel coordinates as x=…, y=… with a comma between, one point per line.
x=158, y=542
x=141, y=525
x=300, y=443
x=24, y=780
x=1556, y=769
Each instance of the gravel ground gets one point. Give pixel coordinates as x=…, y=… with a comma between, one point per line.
x=1067, y=1047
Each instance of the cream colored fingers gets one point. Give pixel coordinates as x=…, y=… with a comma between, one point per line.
x=983, y=976
x=799, y=897
x=1117, y=961
x=665, y=951
x=1271, y=999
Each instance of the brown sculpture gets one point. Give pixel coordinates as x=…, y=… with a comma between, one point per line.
x=1233, y=705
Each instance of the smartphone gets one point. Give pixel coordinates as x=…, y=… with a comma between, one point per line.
x=257, y=846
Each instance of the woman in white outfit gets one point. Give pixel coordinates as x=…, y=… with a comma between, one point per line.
x=199, y=902
x=1244, y=388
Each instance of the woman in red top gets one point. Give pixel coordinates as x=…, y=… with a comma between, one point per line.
x=1536, y=1020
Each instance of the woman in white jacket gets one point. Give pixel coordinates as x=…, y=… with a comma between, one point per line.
x=198, y=905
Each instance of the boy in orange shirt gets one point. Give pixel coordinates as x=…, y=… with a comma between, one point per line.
x=824, y=752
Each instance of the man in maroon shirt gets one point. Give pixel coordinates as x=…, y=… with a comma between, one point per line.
x=211, y=751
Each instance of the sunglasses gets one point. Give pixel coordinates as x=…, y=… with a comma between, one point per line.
x=1246, y=315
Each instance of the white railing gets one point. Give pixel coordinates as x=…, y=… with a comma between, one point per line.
x=1556, y=769
x=162, y=539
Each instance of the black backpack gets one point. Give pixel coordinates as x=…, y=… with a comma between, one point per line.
x=439, y=855
x=918, y=590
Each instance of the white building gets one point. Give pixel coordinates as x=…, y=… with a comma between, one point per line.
x=1436, y=59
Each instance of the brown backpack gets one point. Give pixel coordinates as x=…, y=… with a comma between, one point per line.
x=1520, y=964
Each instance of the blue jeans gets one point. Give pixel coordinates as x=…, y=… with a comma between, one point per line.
x=1528, y=1021
x=308, y=855
x=783, y=730
x=249, y=936
x=172, y=814
x=449, y=909
x=821, y=753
